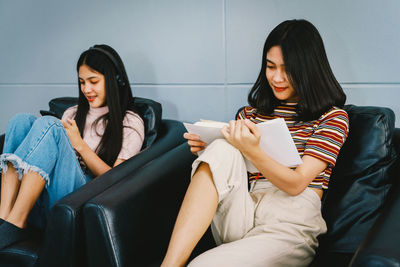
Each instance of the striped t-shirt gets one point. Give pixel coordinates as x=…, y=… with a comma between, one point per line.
x=320, y=138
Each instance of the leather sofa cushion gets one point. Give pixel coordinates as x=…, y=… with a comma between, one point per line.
x=360, y=180
x=59, y=105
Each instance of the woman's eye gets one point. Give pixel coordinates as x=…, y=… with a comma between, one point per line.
x=270, y=66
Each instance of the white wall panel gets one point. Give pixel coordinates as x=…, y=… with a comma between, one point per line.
x=236, y=98
x=29, y=99
x=187, y=103
x=174, y=41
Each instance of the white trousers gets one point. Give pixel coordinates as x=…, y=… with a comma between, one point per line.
x=261, y=227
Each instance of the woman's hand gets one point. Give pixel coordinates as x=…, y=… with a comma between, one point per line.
x=242, y=134
x=73, y=133
x=194, y=142
x=96, y=165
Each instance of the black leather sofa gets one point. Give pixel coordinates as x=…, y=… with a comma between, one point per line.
x=63, y=241
x=130, y=223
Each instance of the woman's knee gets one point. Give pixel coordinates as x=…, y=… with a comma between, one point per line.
x=46, y=121
x=47, y=125
x=222, y=143
x=22, y=120
x=225, y=154
x=221, y=146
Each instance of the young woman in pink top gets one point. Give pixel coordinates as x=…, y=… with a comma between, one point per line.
x=45, y=159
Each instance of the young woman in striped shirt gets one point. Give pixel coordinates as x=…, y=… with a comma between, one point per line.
x=270, y=218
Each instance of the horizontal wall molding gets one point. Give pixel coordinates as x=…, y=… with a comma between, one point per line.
x=348, y=85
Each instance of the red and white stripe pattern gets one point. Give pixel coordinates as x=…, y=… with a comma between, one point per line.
x=320, y=138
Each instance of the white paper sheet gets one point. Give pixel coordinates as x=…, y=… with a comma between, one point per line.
x=207, y=133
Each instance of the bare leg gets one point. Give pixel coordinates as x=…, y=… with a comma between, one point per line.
x=196, y=213
x=9, y=189
x=32, y=185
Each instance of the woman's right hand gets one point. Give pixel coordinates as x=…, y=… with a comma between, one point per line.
x=73, y=133
x=194, y=142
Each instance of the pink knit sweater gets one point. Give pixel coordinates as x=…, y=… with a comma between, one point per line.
x=133, y=131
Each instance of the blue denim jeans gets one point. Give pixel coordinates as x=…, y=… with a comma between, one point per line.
x=42, y=145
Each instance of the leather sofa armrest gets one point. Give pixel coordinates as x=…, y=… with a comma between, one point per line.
x=130, y=224
x=381, y=246
x=64, y=239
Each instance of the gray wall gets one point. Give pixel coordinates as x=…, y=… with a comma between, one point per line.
x=198, y=58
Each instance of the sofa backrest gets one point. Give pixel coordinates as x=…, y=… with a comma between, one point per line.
x=360, y=180
x=151, y=112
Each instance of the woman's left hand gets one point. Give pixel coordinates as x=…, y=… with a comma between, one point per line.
x=242, y=134
x=73, y=133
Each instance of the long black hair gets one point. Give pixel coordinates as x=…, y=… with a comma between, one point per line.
x=307, y=69
x=118, y=99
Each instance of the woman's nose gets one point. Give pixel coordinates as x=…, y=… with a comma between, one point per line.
x=278, y=76
x=86, y=88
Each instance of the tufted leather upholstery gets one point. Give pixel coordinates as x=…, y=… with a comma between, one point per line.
x=150, y=111
x=360, y=182
x=62, y=243
x=131, y=222
x=381, y=246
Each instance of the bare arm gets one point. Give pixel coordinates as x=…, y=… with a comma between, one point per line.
x=244, y=135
